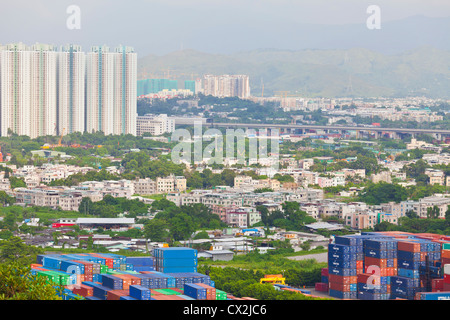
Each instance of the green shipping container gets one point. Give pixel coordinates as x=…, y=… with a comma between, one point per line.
x=104, y=268
x=50, y=277
x=221, y=295
x=167, y=291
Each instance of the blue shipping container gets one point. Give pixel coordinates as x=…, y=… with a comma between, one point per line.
x=140, y=292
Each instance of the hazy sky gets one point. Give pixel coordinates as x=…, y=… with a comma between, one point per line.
x=161, y=26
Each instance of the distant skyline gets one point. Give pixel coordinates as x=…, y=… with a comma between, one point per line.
x=227, y=26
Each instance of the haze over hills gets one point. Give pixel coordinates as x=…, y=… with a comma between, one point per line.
x=359, y=72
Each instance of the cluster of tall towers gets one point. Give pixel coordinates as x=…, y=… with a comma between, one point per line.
x=46, y=91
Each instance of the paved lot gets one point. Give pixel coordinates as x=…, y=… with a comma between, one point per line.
x=320, y=257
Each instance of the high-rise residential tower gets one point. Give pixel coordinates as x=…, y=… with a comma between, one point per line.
x=28, y=89
x=111, y=84
x=226, y=86
x=44, y=91
x=71, y=89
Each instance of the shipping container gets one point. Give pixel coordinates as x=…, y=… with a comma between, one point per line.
x=175, y=252
x=195, y=291
x=112, y=282
x=409, y=246
x=434, y=295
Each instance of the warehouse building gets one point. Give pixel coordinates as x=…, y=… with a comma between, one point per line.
x=113, y=224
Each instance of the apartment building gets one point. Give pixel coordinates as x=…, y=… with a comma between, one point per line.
x=156, y=125
x=429, y=202
x=70, y=201
x=436, y=176
x=170, y=184
x=145, y=186
x=361, y=220
x=28, y=85
x=111, y=90
x=226, y=86
x=71, y=89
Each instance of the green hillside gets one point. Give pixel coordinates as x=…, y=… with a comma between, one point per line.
x=316, y=73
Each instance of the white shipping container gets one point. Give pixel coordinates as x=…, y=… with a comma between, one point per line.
x=446, y=268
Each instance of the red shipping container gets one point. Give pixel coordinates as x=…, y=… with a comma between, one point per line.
x=445, y=261
x=83, y=290
x=437, y=283
x=368, y=278
x=324, y=272
x=88, y=277
x=358, y=271
x=447, y=278
x=369, y=261
x=320, y=286
x=88, y=266
x=446, y=286
x=342, y=279
x=408, y=246
x=339, y=286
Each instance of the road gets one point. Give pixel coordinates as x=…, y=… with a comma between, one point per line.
x=330, y=127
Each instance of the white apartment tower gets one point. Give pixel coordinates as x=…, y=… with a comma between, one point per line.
x=71, y=89
x=44, y=91
x=28, y=89
x=111, y=84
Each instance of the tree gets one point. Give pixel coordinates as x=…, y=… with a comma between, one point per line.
x=14, y=250
x=411, y=214
x=447, y=214
x=17, y=182
x=5, y=199
x=181, y=226
x=433, y=212
x=156, y=230
x=17, y=283
x=86, y=206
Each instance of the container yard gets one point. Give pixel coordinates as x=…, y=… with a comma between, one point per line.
x=387, y=266
x=170, y=274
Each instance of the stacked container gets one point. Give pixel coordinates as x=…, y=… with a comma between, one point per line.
x=446, y=280
x=95, y=280
x=174, y=260
x=141, y=263
x=380, y=262
x=342, y=270
x=323, y=285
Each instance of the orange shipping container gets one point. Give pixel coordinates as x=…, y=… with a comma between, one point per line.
x=445, y=254
x=126, y=281
x=408, y=246
x=210, y=291
x=359, y=264
x=116, y=294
